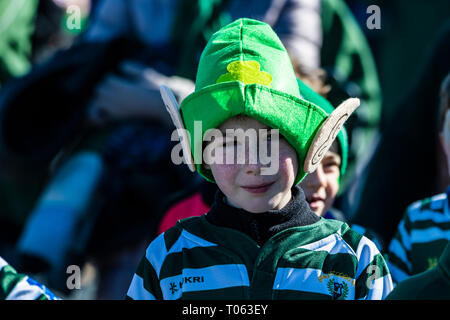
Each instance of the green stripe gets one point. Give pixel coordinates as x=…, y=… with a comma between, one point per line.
x=194, y=258
x=261, y=285
x=295, y=237
x=148, y=274
x=237, y=244
x=395, y=260
x=425, y=224
x=8, y=280
x=171, y=236
x=398, y=236
x=322, y=260
x=351, y=237
x=361, y=288
x=42, y=297
x=407, y=221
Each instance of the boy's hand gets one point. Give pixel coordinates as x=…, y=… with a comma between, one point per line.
x=135, y=94
x=181, y=87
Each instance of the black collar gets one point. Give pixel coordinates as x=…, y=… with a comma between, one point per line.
x=261, y=226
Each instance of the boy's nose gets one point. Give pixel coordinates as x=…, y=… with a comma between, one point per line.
x=254, y=169
x=317, y=178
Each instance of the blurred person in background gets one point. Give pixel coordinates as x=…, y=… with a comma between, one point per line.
x=424, y=231
x=30, y=31
x=419, y=254
x=408, y=144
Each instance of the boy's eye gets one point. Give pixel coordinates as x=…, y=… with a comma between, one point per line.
x=331, y=166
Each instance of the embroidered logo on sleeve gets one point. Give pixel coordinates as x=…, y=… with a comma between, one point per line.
x=338, y=290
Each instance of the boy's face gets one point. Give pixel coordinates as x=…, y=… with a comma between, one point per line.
x=321, y=186
x=244, y=185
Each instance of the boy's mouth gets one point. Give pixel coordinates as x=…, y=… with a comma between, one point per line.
x=259, y=188
x=315, y=202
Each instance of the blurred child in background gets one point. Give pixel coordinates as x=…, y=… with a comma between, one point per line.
x=424, y=231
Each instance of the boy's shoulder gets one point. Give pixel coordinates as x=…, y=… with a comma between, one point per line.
x=186, y=232
x=435, y=205
x=360, y=243
x=335, y=233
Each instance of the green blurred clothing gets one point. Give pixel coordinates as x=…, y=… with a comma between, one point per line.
x=16, y=28
x=348, y=60
x=433, y=284
x=17, y=19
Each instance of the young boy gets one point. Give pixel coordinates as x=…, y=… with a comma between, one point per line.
x=320, y=187
x=260, y=240
x=424, y=231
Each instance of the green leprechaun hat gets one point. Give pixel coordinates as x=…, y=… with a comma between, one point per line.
x=245, y=70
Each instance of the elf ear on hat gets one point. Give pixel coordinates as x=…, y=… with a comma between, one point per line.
x=342, y=138
x=245, y=69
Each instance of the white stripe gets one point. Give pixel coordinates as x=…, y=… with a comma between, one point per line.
x=396, y=248
x=428, y=235
x=429, y=215
x=365, y=253
x=156, y=253
x=188, y=241
x=380, y=288
x=137, y=290
x=332, y=244
x=24, y=291
x=437, y=201
x=3, y=263
x=308, y=280
x=214, y=277
x=414, y=206
x=397, y=274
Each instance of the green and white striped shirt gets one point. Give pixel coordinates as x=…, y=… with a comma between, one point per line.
x=16, y=286
x=421, y=237
x=198, y=260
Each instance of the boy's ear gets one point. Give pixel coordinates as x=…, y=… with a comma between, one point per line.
x=174, y=110
x=328, y=132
